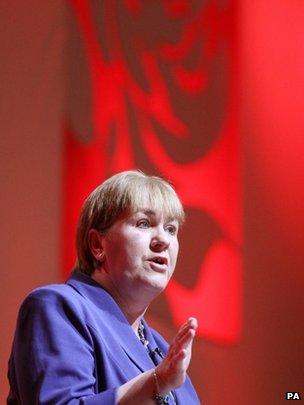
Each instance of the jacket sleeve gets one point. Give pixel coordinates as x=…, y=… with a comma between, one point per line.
x=52, y=359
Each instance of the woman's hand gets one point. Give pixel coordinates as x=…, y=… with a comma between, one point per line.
x=171, y=372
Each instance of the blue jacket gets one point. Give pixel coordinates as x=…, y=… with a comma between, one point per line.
x=73, y=345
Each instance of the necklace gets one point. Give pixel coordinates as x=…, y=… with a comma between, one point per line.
x=141, y=334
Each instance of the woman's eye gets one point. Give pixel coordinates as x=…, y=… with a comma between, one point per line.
x=171, y=229
x=143, y=223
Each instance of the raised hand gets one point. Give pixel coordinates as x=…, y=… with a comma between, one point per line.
x=171, y=372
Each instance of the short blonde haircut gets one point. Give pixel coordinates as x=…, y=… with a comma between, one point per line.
x=125, y=192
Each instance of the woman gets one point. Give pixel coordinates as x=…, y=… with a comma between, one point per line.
x=86, y=341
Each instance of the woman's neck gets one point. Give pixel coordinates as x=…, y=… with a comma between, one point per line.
x=133, y=311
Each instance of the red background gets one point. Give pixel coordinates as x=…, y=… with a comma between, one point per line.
x=164, y=99
x=207, y=94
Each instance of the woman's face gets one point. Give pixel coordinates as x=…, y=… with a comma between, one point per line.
x=141, y=251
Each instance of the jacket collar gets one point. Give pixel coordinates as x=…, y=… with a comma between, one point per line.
x=116, y=325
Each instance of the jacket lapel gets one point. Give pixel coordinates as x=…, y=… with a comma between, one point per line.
x=115, y=324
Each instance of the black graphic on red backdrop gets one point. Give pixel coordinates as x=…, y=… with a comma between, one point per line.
x=152, y=85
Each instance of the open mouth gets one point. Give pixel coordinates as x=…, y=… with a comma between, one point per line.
x=159, y=260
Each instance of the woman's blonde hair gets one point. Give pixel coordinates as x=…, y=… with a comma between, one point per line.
x=125, y=192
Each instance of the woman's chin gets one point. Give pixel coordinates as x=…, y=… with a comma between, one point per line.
x=155, y=282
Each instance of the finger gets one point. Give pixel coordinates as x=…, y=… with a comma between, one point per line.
x=179, y=338
x=191, y=323
x=182, y=337
x=187, y=339
x=183, y=328
x=185, y=335
x=184, y=343
x=180, y=362
x=179, y=356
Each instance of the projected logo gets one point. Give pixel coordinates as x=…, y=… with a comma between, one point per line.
x=151, y=85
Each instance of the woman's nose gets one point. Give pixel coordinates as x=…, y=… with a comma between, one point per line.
x=160, y=240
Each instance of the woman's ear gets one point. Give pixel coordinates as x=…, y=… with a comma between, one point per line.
x=95, y=240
